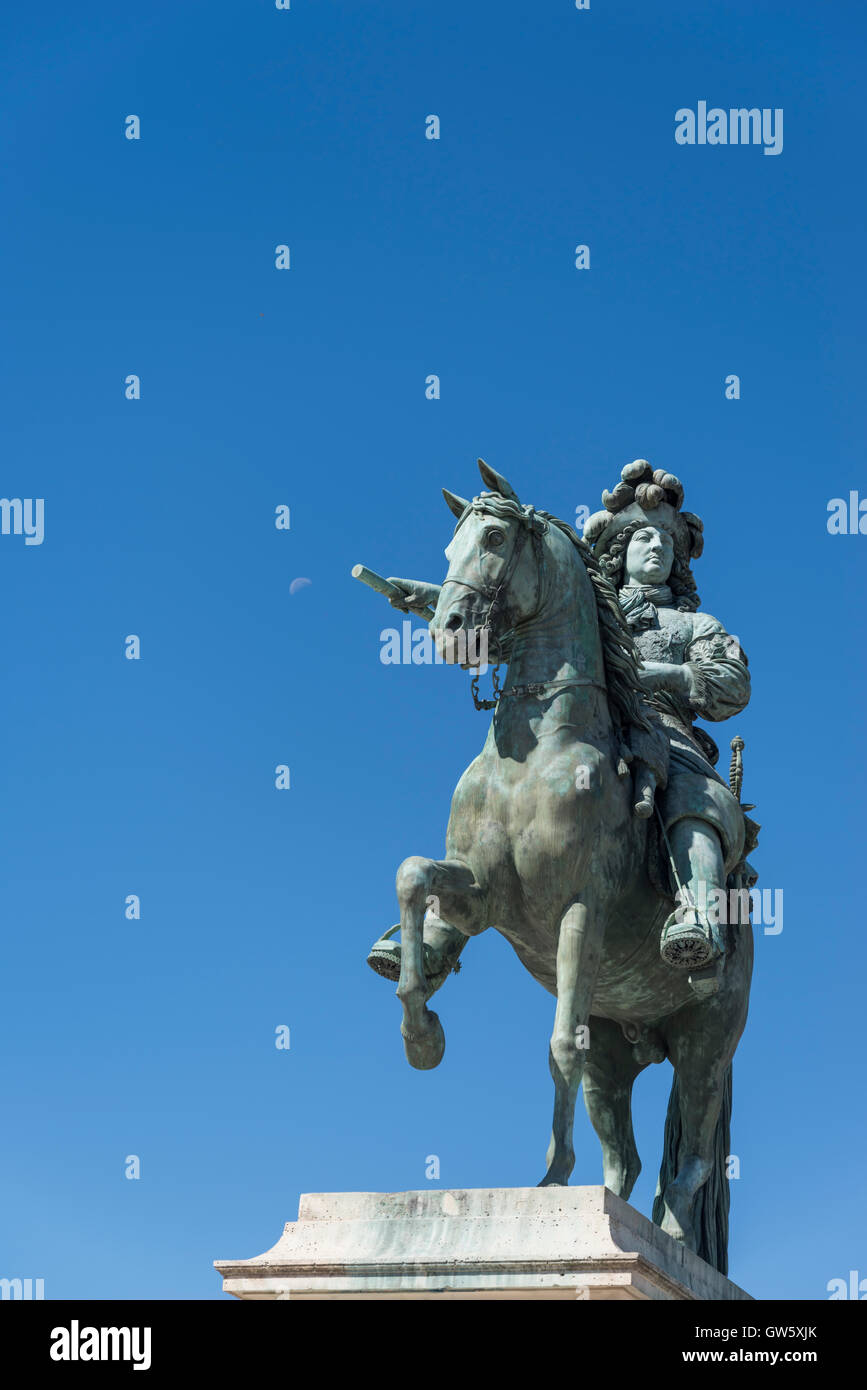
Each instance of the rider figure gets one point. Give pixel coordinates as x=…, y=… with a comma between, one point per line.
x=691, y=668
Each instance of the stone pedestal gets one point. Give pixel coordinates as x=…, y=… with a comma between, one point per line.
x=491, y=1243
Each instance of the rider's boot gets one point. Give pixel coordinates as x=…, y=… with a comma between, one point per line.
x=690, y=939
x=442, y=947
x=645, y=790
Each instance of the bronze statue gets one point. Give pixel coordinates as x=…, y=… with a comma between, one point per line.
x=592, y=827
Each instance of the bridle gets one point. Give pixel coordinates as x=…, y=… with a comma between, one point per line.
x=535, y=526
x=532, y=525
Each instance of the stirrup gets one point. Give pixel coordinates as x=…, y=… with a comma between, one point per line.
x=384, y=956
x=384, y=959
x=687, y=942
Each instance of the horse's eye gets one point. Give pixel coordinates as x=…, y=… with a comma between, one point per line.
x=495, y=537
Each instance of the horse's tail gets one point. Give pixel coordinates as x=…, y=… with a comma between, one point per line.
x=711, y=1212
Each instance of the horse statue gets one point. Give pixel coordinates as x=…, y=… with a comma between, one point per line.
x=546, y=843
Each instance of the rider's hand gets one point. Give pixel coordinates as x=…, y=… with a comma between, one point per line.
x=417, y=595
x=664, y=675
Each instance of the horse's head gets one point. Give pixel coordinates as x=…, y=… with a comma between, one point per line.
x=494, y=578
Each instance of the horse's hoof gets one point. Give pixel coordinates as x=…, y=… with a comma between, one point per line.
x=677, y=1220
x=559, y=1170
x=672, y=1227
x=424, y=1048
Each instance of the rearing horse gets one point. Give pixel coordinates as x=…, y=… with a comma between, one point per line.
x=543, y=845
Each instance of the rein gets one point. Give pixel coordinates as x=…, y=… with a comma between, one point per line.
x=536, y=527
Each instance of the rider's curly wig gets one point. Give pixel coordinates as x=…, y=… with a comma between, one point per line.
x=680, y=581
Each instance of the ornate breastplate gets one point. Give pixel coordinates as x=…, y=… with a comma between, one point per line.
x=666, y=638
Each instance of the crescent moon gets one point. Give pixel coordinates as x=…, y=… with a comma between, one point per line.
x=299, y=584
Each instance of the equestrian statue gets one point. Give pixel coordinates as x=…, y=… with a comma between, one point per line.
x=593, y=829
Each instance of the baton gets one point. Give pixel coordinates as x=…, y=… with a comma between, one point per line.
x=381, y=586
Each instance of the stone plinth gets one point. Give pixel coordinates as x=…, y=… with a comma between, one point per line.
x=489, y=1243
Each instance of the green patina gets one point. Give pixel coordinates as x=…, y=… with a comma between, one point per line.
x=593, y=828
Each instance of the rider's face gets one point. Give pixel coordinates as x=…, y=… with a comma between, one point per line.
x=649, y=557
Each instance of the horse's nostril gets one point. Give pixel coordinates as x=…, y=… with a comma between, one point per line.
x=453, y=623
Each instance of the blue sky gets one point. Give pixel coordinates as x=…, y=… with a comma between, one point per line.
x=306, y=388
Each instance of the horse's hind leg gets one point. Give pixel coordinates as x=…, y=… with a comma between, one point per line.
x=701, y=1074
x=461, y=901
x=610, y=1070
x=578, y=952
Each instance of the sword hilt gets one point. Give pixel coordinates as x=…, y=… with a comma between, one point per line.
x=736, y=767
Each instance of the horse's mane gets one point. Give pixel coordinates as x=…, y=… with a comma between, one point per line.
x=626, y=694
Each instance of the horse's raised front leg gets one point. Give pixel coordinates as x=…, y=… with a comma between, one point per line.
x=461, y=903
x=578, y=953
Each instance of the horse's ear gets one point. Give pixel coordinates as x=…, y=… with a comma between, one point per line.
x=495, y=482
x=455, y=504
